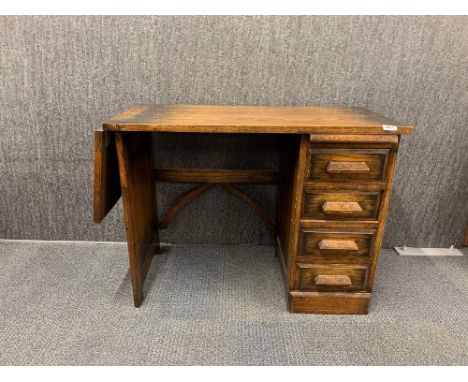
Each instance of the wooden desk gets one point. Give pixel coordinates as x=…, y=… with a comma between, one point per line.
x=335, y=178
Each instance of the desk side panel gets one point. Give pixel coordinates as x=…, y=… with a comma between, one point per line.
x=139, y=201
x=292, y=162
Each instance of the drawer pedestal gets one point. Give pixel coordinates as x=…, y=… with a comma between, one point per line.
x=330, y=243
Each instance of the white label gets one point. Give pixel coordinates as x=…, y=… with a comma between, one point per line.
x=390, y=127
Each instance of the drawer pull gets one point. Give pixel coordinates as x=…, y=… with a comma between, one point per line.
x=341, y=207
x=333, y=280
x=345, y=245
x=347, y=168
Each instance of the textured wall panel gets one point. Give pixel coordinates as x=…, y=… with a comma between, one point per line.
x=61, y=76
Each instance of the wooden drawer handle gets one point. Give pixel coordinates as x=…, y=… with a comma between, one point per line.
x=345, y=245
x=341, y=207
x=347, y=167
x=333, y=280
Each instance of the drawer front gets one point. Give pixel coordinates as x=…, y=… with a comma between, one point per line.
x=331, y=277
x=343, y=205
x=335, y=246
x=341, y=165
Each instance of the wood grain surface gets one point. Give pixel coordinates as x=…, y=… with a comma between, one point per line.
x=343, y=165
x=329, y=302
x=341, y=205
x=186, y=175
x=135, y=158
x=252, y=119
x=335, y=245
x=323, y=277
x=106, y=175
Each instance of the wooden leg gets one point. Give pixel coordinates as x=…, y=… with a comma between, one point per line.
x=135, y=157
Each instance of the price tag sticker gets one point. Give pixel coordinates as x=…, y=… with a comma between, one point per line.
x=390, y=127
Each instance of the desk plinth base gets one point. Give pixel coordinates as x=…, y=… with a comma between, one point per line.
x=328, y=302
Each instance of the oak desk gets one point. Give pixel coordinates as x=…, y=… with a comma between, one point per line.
x=334, y=183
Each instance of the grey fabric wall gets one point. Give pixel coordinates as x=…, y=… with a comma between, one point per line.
x=61, y=76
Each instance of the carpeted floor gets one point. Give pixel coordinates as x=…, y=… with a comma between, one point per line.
x=70, y=303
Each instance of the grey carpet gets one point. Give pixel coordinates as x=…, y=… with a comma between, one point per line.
x=70, y=303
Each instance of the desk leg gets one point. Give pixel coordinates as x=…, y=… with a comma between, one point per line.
x=135, y=157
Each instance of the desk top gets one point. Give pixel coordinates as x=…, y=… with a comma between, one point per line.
x=254, y=119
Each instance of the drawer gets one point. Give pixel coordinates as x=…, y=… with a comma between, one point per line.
x=331, y=277
x=323, y=244
x=342, y=165
x=339, y=205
